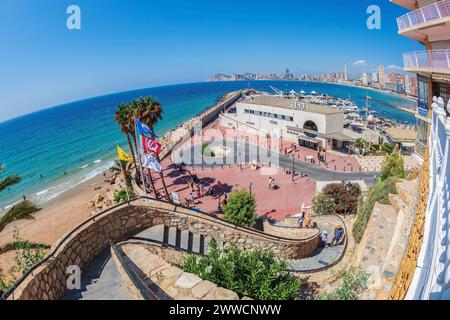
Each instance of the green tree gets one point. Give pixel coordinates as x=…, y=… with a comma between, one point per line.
x=22, y=210
x=249, y=273
x=323, y=205
x=124, y=168
x=124, y=118
x=240, y=208
x=345, y=196
x=150, y=112
x=393, y=166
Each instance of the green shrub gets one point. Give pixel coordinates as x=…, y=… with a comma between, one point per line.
x=322, y=205
x=123, y=195
x=240, y=208
x=393, y=166
x=379, y=193
x=354, y=283
x=26, y=256
x=344, y=195
x=250, y=273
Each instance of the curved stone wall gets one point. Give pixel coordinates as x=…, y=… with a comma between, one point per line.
x=119, y=223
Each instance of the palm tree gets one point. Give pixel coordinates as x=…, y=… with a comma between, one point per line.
x=123, y=117
x=124, y=168
x=9, y=180
x=22, y=210
x=149, y=112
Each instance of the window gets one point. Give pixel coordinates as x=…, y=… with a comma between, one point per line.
x=422, y=96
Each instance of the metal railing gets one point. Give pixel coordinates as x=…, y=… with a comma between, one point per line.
x=425, y=14
x=431, y=59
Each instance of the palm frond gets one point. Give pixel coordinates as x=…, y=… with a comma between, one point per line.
x=9, y=181
x=23, y=210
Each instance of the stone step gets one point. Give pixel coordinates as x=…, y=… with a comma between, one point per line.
x=407, y=190
x=156, y=233
x=397, y=203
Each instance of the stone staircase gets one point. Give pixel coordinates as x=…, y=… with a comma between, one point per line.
x=386, y=237
x=167, y=281
x=101, y=281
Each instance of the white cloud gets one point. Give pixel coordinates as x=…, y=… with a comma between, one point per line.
x=394, y=67
x=360, y=63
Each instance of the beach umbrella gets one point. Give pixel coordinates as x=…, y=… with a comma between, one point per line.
x=302, y=92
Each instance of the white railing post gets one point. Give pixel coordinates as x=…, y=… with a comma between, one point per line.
x=448, y=58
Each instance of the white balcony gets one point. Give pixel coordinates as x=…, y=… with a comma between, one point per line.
x=432, y=61
x=432, y=21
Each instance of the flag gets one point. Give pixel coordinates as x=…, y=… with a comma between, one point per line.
x=123, y=155
x=150, y=145
x=151, y=163
x=144, y=129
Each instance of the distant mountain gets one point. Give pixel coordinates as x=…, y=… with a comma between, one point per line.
x=220, y=77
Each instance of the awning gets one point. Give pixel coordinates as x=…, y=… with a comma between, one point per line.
x=336, y=136
x=309, y=139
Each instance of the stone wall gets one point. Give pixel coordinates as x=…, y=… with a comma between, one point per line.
x=408, y=265
x=170, y=282
x=288, y=231
x=120, y=222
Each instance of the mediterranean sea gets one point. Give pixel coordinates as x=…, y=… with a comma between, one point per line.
x=57, y=148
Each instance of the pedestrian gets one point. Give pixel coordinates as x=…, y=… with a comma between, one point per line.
x=301, y=219
x=273, y=184
x=324, y=239
x=338, y=235
x=270, y=183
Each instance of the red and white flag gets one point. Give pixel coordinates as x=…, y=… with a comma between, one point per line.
x=150, y=145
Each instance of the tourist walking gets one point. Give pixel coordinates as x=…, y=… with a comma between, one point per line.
x=270, y=183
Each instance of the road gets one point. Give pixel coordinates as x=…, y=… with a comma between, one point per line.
x=249, y=152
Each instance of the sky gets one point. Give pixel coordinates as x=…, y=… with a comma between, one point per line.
x=132, y=44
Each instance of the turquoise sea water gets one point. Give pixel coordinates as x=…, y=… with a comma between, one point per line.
x=58, y=148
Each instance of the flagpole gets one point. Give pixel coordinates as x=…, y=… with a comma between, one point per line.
x=140, y=159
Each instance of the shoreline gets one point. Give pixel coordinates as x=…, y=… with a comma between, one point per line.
x=62, y=213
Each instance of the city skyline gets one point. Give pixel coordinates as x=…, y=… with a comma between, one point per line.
x=151, y=43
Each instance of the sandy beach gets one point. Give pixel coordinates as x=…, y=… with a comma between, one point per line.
x=57, y=217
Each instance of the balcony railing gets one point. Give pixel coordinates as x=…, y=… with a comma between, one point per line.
x=431, y=12
x=433, y=59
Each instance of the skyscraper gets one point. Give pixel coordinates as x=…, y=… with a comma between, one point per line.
x=381, y=76
x=345, y=72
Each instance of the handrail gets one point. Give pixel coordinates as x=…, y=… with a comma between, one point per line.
x=425, y=14
x=145, y=290
x=193, y=213
x=436, y=59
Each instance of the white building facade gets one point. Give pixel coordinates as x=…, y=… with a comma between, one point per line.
x=312, y=126
x=432, y=275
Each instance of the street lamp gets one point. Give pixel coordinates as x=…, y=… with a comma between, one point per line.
x=250, y=185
